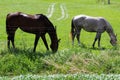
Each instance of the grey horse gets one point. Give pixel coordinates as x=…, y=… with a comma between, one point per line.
x=92, y=24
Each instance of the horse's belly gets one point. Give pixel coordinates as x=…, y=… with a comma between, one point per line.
x=90, y=28
x=28, y=31
x=31, y=30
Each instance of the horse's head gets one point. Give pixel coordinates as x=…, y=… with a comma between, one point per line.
x=54, y=46
x=113, y=40
x=54, y=40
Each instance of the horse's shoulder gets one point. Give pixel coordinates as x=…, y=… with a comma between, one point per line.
x=102, y=19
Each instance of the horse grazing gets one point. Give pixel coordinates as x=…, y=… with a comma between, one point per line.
x=92, y=24
x=37, y=24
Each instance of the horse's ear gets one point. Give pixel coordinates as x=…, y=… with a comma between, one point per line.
x=59, y=40
x=116, y=35
x=55, y=27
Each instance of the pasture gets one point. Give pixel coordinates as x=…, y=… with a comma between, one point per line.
x=68, y=59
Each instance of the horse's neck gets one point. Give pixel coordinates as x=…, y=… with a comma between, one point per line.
x=110, y=32
x=51, y=31
x=53, y=36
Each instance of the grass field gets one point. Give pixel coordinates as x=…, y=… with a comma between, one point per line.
x=68, y=59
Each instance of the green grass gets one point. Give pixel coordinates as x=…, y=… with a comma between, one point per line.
x=65, y=77
x=68, y=59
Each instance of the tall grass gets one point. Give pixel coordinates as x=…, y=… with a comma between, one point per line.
x=18, y=61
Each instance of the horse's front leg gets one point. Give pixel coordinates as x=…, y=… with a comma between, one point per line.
x=45, y=42
x=98, y=36
x=36, y=42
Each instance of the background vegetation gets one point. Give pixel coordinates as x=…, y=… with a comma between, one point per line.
x=68, y=59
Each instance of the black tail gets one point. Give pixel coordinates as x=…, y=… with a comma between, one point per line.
x=7, y=29
x=72, y=28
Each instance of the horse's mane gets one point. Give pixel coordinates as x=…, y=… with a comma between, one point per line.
x=108, y=27
x=44, y=17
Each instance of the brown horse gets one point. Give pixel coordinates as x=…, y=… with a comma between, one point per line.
x=37, y=24
x=92, y=24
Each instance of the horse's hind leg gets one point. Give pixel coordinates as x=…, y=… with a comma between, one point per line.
x=11, y=35
x=11, y=38
x=8, y=42
x=45, y=42
x=78, y=36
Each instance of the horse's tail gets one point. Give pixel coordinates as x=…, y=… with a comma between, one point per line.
x=9, y=20
x=7, y=29
x=72, y=29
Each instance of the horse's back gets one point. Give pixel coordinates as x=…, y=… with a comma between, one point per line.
x=27, y=22
x=21, y=19
x=21, y=15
